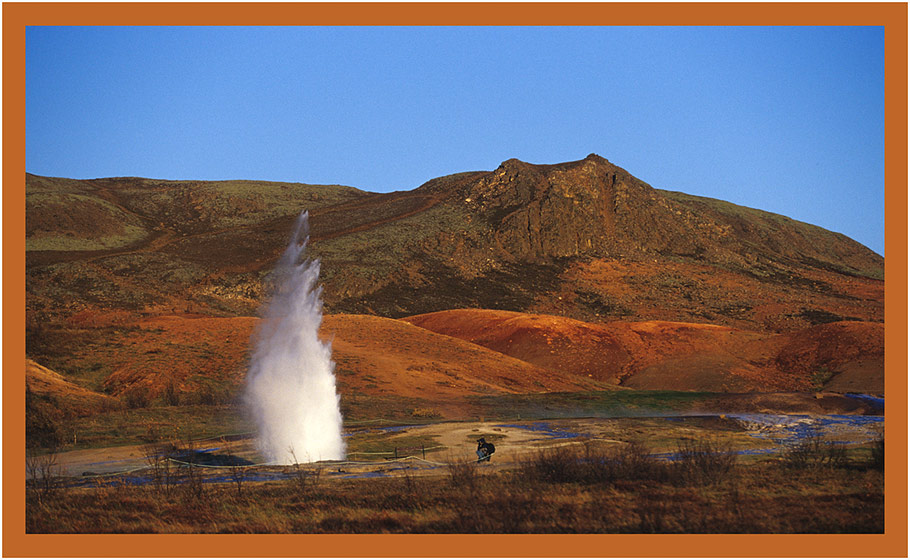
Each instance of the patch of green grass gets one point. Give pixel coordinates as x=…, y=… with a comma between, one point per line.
x=587, y=403
x=134, y=426
x=361, y=410
x=821, y=377
x=384, y=410
x=36, y=184
x=388, y=444
x=775, y=228
x=77, y=222
x=51, y=242
x=196, y=206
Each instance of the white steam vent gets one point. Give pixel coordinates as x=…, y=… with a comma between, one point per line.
x=291, y=380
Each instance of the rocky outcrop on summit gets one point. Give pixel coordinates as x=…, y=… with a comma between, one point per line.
x=592, y=207
x=556, y=211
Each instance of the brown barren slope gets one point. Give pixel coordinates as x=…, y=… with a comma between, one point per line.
x=386, y=356
x=53, y=388
x=374, y=356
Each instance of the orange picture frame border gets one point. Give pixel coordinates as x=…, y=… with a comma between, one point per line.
x=891, y=16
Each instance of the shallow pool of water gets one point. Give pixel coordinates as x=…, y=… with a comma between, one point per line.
x=787, y=429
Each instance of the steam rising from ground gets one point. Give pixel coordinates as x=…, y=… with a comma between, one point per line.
x=291, y=380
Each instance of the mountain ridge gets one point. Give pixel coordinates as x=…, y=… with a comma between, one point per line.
x=582, y=240
x=519, y=221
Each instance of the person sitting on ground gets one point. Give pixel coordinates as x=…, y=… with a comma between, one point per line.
x=484, y=450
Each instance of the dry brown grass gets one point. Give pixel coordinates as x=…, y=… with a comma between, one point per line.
x=754, y=498
x=701, y=463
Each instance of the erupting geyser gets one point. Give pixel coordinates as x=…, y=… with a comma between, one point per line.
x=291, y=380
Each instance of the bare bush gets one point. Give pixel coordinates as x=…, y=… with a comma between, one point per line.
x=171, y=395
x=193, y=482
x=556, y=465
x=703, y=462
x=42, y=474
x=137, y=397
x=307, y=479
x=158, y=457
x=695, y=463
x=211, y=396
x=836, y=455
x=631, y=461
x=238, y=475
x=410, y=485
x=813, y=452
x=43, y=422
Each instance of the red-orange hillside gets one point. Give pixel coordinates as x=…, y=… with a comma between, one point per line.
x=672, y=355
x=373, y=356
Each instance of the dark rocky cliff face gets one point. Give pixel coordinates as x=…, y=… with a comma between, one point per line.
x=538, y=212
x=592, y=207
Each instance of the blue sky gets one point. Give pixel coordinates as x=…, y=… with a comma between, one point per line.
x=786, y=119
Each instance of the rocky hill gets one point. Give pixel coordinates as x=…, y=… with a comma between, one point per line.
x=584, y=241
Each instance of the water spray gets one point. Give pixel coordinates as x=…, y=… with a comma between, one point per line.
x=291, y=380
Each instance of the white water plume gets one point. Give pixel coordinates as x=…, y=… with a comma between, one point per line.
x=291, y=381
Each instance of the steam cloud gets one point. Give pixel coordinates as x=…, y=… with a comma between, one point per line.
x=291, y=381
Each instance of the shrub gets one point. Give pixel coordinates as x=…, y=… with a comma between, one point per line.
x=703, y=462
x=556, y=465
x=410, y=485
x=238, y=475
x=820, y=377
x=878, y=453
x=171, y=395
x=211, y=396
x=425, y=413
x=632, y=461
x=695, y=463
x=158, y=458
x=42, y=422
x=42, y=474
x=813, y=452
x=194, y=490
x=306, y=479
x=137, y=397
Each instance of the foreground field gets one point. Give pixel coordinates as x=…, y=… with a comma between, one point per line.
x=547, y=492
